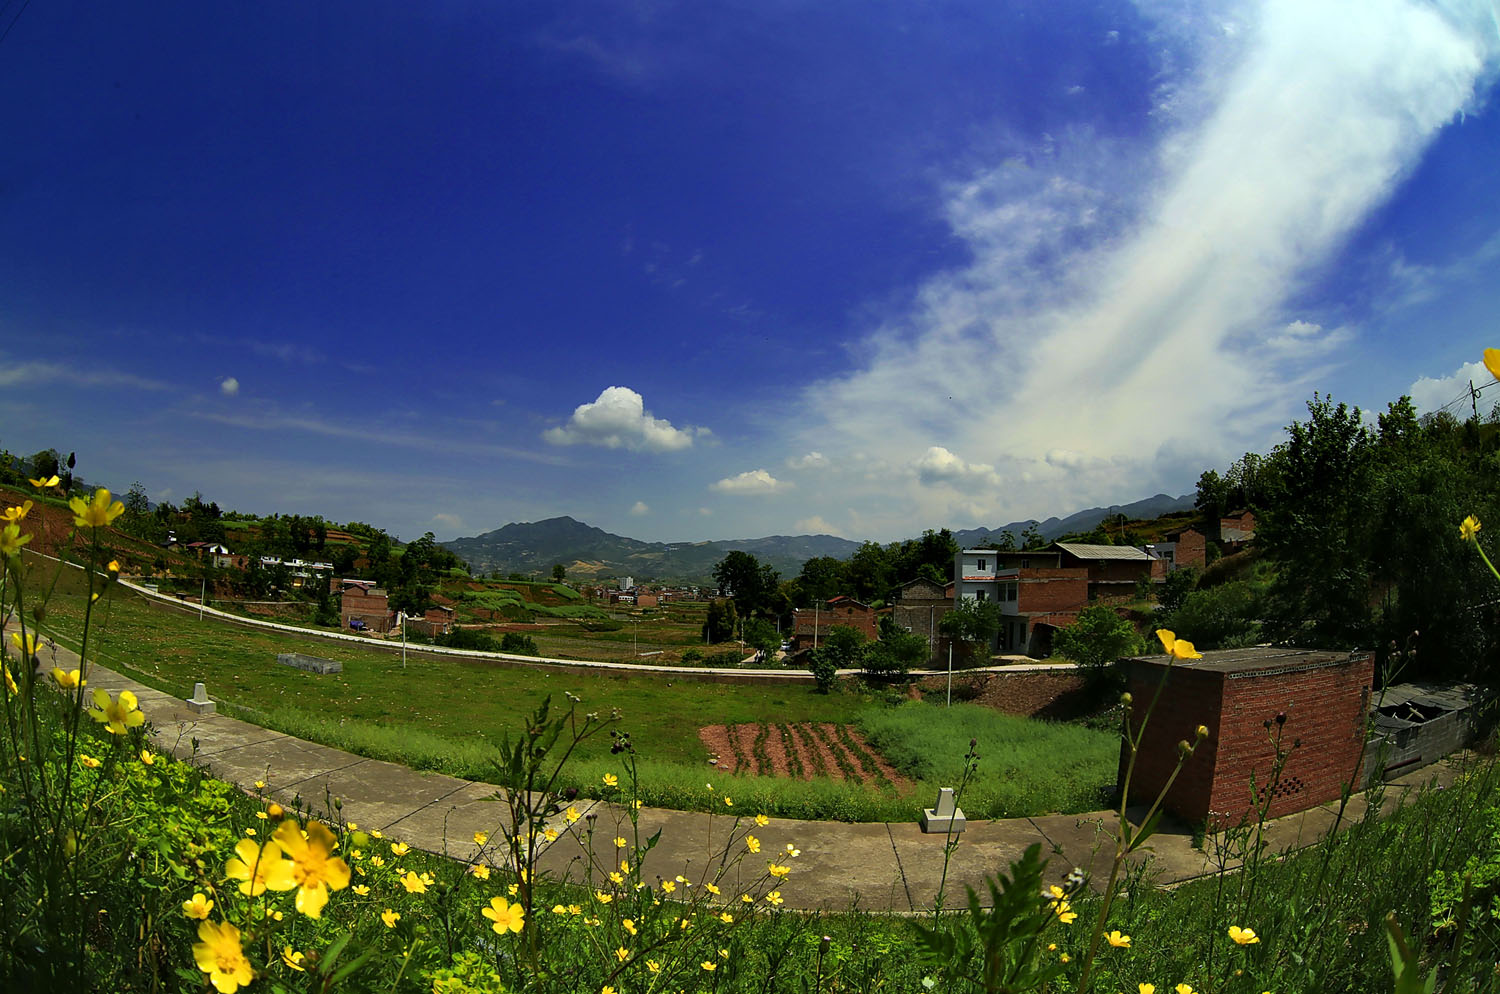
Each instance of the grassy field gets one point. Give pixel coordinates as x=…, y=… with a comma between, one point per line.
x=447, y=714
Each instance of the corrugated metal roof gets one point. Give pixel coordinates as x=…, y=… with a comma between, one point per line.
x=1104, y=551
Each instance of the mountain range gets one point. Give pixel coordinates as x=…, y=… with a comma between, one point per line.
x=593, y=553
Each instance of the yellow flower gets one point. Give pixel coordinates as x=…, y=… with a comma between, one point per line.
x=114, y=566
x=729, y=802
x=1470, y=526
x=97, y=513
x=777, y=870
x=762, y=821
x=1175, y=647
x=292, y=958
x=413, y=883
x=362, y=890
x=571, y=814
x=653, y=966
x=723, y=954
x=315, y=869
x=118, y=714
x=1492, y=362
x=550, y=834
x=259, y=868
x=559, y=909
x=149, y=758
x=17, y=513
x=68, y=679
x=480, y=838
x=1243, y=936
x=668, y=886
x=219, y=954
x=620, y=842
x=610, y=780
x=480, y=870
x=400, y=848
x=752, y=844
x=390, y=917
x=1064, y=958
x=88, y=761
x=10, y=681
x=1185, y=989
x=11, y=540
x=726, y=918
x=377, y=861
x=260, y=785
x=602, y=897
x=249, y=831
x=773, y=898
x=712, y=889
x=198, y=907
x=624, y=866
x=606, y=989
x=1064, y=912
x=1118, y=940
x=1146, y=989
x=507, y=917
x=709, y=965
x=376, y=834
x=629, y=926
x=622, y=954
x=793, y=851
x=276, y=811
x=45, y=483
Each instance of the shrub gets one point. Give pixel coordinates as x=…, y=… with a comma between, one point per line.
x=825, y=669
x=1223, y=617
x=1097, y=638
x=469, y=638
x=521, y=645
x=894, y=655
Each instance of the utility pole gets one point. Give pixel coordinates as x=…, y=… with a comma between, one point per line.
x=203, y=597
x=401, y=615
x=815, y=624
x=950, y=673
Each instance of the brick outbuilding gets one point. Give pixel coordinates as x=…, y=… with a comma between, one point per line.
x=1316, y=700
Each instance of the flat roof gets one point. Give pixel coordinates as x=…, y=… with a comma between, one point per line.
x=1258, y=659
x=1104, y=551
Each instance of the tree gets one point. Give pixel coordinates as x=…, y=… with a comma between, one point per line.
x=720, y=621
x=136, y=503
x=1031, y=538
x=870, y=573
x=761, y=636
x=972, y=625
x=1096, y=639
x=559, y=573
x=844, y=645
x=822, y=577
x=747, y=580
x=46, y=463
x=894, y=655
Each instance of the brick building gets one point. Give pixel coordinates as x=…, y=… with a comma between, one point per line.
x=919, y=609
x=1243, y=697
x=434, y=621
x=362, y=601
x=1236, y=530
x=1113, y=570
x=1187, y=547
x=809, y=625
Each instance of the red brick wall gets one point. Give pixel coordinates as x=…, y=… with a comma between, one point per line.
x=373, y=610
x=860, y=618
x=1052, y=590
x=1192, y=549
x=1324, y=705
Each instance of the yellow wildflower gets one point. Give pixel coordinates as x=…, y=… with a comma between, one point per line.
x=1146, y=989
x=1118, y=940
x=68, y=679
x=220, y=955
x=752, y=844
x=507, y=917
x=776, y=870
x=629, y=926
x=709, y=965
x=1064, y=912
x=602, y=897
x=793, y=851
x=149, y=758
x=11, y=540
x=1185, y=989
x=571, y=814
x=400, y=848
x=259, y=868
x=726, y=918
x=762, y=821
x=88, y=761
x=276, y=811
x=622, y=954
x=315, y=869
x=46, y=483
x=668, y=886
x=1175, y=647
x=723, y=954
x=118, y=714
x=377, y=861
x=17, y=513
x=1492, y=362
x=376, y=834
x=1243, y=936
x=1469, y=529
x=620, y=842
x=114, y=566
x=480, y=870
x=550, y=834
x=390, y=917
x=653, y=966
x=198, y=907
x=712, y=889
x=413, y=883
x=773, y=898
x=292, y=958
x=610, y=780
x=480, y=838
x=729, y=802
x=748, y=899
x=97, y=513
x=10, y=681
x=363, y=890
x=574, y=909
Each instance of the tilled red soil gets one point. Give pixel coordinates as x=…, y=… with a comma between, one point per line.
x=807, y=743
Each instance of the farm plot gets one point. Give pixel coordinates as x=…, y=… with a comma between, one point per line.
x=799, y=750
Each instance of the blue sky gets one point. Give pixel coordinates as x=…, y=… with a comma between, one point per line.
x=717, y=270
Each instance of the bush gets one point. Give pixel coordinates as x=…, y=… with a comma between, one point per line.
x=1223, y=617
x=521, y=645
x=894, y=655
x=469, y=638
x=1097, y=638
x=692, y=657
x=825, y=669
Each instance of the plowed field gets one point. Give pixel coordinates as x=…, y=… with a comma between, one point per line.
x=801, y=750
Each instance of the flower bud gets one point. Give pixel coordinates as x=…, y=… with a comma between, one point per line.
x=1202, y=731
x=1183, y=749
x=275, y=810
x=1127, y=699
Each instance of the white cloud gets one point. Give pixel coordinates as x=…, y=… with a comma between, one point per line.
x=618, y=419
x=812, y=460
x=229, y=386
x=815, y=525
x=15, y=374
x=1429, y=394
x=451, y=521
x=753, y=481
x=1122, y=321
x=639, y=508
x=939, y=466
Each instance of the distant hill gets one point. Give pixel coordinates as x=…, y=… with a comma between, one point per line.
x=1081, y=521
x=588, y=552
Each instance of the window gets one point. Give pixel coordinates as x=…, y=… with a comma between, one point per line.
x=1010, y=591
x=981, y=566
x=1026, y=564
x=982, y=595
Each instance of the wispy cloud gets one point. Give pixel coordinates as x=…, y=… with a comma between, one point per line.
x=36, y=373
x=432, y=441
x=618, y=419
x=1122, y=317
x=639, y=508
x=229, y=386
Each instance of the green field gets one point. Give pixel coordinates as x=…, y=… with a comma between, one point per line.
x=447, y=714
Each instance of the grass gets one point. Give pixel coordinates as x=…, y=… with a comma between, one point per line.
x=446, y=714
x=1026, y=766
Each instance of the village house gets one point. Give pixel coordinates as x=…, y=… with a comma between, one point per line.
x=809, y=625
x=433, y=622
x=362, y=601
x=1236, y=530
x=919, y=608
x=1185, y=547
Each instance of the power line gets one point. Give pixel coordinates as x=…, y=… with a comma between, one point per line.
x=13, y=20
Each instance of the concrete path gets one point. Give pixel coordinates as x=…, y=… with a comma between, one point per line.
x=876, y=866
